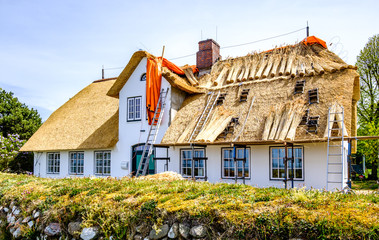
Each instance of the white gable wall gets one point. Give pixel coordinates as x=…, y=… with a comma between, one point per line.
x=131, y=133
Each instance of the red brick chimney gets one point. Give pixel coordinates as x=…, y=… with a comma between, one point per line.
x=208, y=54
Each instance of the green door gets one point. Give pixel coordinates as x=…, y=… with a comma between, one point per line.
x=151, y=162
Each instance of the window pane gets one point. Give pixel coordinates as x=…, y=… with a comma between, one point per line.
x=275, y=163
x=281, y=163
x=275, y=153
x=290, y=173
x=138, y=108
x=131, y=109
x=299, y=173
x=298, y=163
x=298, y=152
x=281, y=173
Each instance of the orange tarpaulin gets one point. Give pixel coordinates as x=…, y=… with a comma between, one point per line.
x=154, y=82
x=312, y=40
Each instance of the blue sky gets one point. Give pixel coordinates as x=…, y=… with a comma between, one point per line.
x=50, y=50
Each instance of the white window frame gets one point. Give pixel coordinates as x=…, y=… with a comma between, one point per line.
x=134, y=109
x=76, y=163
x=103, y=164
x=279, y=159
x=227, y=162
x=53, y=163
x=186, y=162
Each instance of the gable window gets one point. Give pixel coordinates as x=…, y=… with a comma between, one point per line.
x=134, y=109
x=53, y=162
x=103, y=162
x=76, y=162
x=188, y=163
x=277, y=167
x=229, y=165
x=143, y=77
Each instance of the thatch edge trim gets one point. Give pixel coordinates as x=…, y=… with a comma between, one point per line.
x=178, y=82
x=127, y=72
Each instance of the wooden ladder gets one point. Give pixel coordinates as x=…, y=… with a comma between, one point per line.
x=143, y=165
x=204, y=115
x=335, y=152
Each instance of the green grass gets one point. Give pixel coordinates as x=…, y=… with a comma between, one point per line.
x=364, y=185
x=241, y=211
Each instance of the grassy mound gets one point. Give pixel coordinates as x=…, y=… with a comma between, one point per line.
x=233, y=210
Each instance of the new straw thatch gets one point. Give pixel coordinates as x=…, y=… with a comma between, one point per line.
x=89, y=120
x=276, y=113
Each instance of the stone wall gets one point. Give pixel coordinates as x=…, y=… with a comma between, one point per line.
x=28, y=225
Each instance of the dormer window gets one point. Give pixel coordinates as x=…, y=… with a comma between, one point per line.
x=143, y=77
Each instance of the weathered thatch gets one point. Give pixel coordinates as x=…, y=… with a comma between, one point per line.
x=174, y=79
x=271, y=78
x=89, y=120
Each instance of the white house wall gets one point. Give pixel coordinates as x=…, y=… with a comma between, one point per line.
x=131, y=133
x=314, y=161
x=40, y=164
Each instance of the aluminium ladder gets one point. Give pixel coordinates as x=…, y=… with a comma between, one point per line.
x=335, y=151
x=204, y=115
x=143, y=165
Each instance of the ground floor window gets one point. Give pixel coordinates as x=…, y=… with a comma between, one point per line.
x=103, y=162
x=76, y=162
x=229, y=165
x=53, y=162
x=277, y=168
x=188, y=163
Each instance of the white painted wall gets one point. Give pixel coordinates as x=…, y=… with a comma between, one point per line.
x=40, y=164
x=131, y=133
x=315, y=155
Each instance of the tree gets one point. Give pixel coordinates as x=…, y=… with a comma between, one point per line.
x=17, y=124
x=368, y=105
x=16, y=117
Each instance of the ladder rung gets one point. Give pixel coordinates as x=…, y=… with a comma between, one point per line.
x=336, y=121
x=335, y=137
x=335, y=129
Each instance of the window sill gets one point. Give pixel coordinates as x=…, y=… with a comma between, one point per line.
x=282, y=179
x=138, y=120
x=233, y=178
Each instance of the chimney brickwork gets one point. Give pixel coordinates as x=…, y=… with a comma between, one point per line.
x=208, y=54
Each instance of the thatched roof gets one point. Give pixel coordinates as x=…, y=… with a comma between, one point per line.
x=89, y=120
x=174, y=79
x=270, y=78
